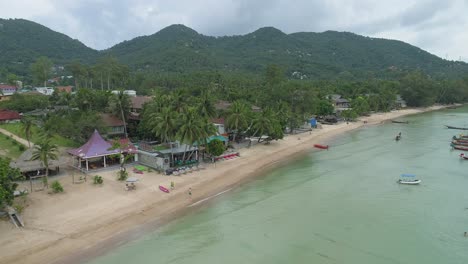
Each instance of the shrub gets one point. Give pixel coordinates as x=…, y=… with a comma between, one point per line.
x=21, y=147
x=56, y=187
x=98, y=179
x=122, y=175
x=14, y=142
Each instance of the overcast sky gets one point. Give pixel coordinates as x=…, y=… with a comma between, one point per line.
x=438, y=26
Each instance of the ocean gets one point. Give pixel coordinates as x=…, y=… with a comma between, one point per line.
x=337, y=206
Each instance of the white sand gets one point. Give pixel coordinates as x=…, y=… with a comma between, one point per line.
x=60, y=225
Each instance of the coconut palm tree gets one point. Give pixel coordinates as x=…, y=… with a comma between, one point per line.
x=237, y=117
x=179, y=100
x=190, y=128
x=120, y=104
x=263, y=122
x=206, y=106
x=45, y=151
x=164, y=125
x=27, y=125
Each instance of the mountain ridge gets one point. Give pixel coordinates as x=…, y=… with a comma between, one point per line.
x=178, y=48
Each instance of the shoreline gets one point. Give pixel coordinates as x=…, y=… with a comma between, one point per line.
x=110, y=223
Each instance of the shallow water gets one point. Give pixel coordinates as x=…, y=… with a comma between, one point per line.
x=336, y=206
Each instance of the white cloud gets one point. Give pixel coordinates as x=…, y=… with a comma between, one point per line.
x=436, y=26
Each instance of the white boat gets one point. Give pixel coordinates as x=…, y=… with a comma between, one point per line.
x=408, y=179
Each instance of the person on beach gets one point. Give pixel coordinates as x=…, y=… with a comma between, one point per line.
x=172, y=185
x=190, y=192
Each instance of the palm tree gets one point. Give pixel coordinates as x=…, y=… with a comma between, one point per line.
x=207, y=130
x=179, y=100
x=206, y=106
x=263, y=122
x=237, y=117
x=45, y=151
x=164, y=125
x=27, y=125
x=190, y=129
x=121, y=105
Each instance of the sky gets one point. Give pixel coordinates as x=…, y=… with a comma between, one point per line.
x=437, y=26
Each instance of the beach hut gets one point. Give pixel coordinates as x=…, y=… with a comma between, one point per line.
x=98, y=153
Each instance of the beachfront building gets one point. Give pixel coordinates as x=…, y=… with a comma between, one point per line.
x=164, y=156
x=115, y=126
x=29, y=167
x=98, y=153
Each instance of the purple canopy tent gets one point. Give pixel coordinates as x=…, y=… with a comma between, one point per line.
x=95, y=148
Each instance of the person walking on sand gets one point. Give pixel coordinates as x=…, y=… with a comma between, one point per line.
x=172, y=185
x=190, y=192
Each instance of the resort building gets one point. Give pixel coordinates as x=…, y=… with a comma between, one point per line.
x=164, y=156
x=114, y=126
x=29, y=167
x=9, y=116
x=98, y=153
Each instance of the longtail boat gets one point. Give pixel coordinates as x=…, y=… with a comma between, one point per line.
x=459, y=128
x=462, y=155
x=460, y=142
x=459, y=147
x=400, y=122
x=321, y=146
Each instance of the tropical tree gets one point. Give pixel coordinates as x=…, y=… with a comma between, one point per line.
x=27, y=125
x=190, y=128
x=45, y=151
x=237, y=117
x=164, y=125
x=206, y=106
x=41, y=69
x=263, y=122
x=120, y=105
x=7, y=185
x=215, y=147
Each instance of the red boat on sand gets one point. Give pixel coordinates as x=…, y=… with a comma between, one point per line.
x=164, y=189
x=321, y=146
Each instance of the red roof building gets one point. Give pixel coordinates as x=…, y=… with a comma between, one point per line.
x=67, y=89
x=8, y=116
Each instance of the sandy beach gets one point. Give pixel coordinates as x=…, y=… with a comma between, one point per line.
x=86, y=220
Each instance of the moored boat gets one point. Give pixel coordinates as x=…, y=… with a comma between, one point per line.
x=408, y=179
x=460, y=142
x=321, y=146
x=459, y=147
x=400, y=122
x=459, y=128
x=462, y=155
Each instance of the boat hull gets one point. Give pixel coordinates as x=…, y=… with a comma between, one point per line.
x=459, y=128
x=459, y=147
x=164, y=189
x=321, y=146
x=415, y=182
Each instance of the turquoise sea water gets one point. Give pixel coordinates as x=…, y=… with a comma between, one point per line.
x=336, y=206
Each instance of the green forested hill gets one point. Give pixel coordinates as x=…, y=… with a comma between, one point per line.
x=308, y=55
x=23, y=41
x=179, y=49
